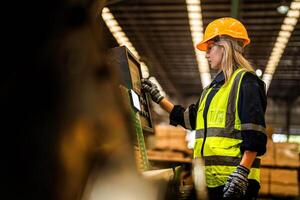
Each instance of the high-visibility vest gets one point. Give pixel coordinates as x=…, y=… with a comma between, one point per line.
x=221, y=152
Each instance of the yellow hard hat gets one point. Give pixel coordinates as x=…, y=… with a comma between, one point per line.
x=224, y=26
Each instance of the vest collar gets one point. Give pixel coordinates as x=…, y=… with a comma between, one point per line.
x=218, y=80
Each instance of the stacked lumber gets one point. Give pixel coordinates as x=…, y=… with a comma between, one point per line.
x=281, y=154
x=279, y=182
x=268, y=158
x=286, y=154
x=279, y=172
x=170, y=144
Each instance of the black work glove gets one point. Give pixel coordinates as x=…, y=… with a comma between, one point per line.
x=237, y=183
x=151, y=88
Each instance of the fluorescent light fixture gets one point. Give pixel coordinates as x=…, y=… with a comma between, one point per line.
x=286, y=34
x=258, y=72
x=196, y=27
x=267, y=79
x=205, y=78
x=144, y=70
x=282, y=9
x=293, y=13
x=194, y=15
x=191, y=2
x=196, y=23
x=194, y=8
x=283, y=40
x=279, y=138
x=197, y=36
x=290, y=20
x=295, y=5
x=123, y=40
x=117, y=31
x=283, y=37
x=279, y=45
x=286, y=27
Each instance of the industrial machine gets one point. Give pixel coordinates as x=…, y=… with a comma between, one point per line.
x=129, y=69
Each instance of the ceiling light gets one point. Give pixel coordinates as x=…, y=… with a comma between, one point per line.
x=267, y=80
x=205, y=78
x=197, y=35
x=279, y=45
x=277, y=51
x=144, y=70
x=282, y=9
x=295, y=5
x=196, y=27
x=293, y=13
x=290, y=21
x=191, y=2
x=283, y=37
x=283, y=40
x=285, y=34
x=123, y=40
x=196, y=23
x=195, y=15
x=258, y=72
x=194, y=8
x=286, y=27
x=115, y=29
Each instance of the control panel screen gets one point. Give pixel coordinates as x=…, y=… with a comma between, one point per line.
x=129, y=69
x=135, y=100
x=135, y=76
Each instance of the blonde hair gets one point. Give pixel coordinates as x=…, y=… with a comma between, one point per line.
x=233, y=56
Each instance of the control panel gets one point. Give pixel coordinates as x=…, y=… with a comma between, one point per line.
x=131, y=74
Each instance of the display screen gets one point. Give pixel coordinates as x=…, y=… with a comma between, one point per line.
x=135, y=76
x=135, y=100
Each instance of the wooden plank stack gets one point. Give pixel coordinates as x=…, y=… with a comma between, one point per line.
x=284, y=182
x=170, y=144
x=279, y=172
x=269, y=159
x=286, y=154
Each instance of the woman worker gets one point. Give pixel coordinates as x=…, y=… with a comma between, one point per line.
x=229, y=115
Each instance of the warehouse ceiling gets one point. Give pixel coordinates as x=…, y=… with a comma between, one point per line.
x=160, y=32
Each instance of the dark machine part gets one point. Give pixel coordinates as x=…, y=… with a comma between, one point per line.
x=130, y=70
x=66, y=128
x=64, y=117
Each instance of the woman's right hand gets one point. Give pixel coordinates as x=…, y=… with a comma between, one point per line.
x=151, y=88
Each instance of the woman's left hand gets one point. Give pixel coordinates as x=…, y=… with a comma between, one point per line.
x=237, y=183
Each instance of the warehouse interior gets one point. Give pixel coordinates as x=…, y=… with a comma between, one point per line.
x=163, y=35
x=86, y=130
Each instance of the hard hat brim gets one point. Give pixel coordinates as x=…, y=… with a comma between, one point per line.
x=202, y=46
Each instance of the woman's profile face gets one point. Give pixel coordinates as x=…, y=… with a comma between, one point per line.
x=214, y=55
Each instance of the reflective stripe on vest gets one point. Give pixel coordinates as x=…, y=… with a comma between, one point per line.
x=222, y=145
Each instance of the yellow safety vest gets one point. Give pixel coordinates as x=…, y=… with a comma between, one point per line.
x=221, y=152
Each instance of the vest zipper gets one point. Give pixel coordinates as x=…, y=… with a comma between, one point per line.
x=209, y=98
x=204, y=136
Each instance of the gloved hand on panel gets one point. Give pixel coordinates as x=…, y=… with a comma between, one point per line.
x=151, y=88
